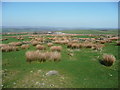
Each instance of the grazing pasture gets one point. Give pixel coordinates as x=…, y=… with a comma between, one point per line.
x=81, y=60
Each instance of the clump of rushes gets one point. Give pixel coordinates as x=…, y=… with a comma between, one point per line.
x=75, y=46
x=25, y=46
x=3, y=45
x=118, y=43
x=26, y=42
x=69, y=45
x=86, y=45
x=108, y=60
x=89, y=45
x=15, y=43
x=8, y=48
x=34, y=43
x=50, y=44
x=42, y=56
x=103, y=41
x=40, y=47
x=56, y=48
x=98, y=47
x=31, y=56
x=55, y=56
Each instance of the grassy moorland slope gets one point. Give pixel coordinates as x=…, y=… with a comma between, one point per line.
x=83, y=70
x=90, y=31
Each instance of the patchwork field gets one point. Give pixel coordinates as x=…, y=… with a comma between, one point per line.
x=60, y=61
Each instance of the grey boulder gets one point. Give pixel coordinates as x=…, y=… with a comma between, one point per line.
x=53, y=72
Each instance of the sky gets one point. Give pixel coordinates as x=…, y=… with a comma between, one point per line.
x=61, y=14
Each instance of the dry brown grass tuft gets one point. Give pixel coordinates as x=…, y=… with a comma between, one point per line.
x=20, y=38
x=40, y=47
x=15, y=43
x=89, y=45
x=55, y=56
x=25, y=46
x=26, y=42
x=39, y=39
x=42, y=56
x=15, y=48
x=108, y=59
x=4, y=39
x=103, y=41
x=8, y=48
x=56, y=48
x=31, y=56
x=34, y=43
x=98, y=47
x=3, y=45
x=31, y=37
x=50, y=44
x=75, y=46
x=118, y=43
x=69, y=45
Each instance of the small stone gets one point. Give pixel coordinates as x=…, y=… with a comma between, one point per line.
x=53, y=72
x=31, y=71
x=43, y=84
x=110, y=75
x=37, y=83
x=14, y=83
x=2, y=85
x=39, y=71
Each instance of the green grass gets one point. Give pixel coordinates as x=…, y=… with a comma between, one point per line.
x=83, y=70
x=14, y=34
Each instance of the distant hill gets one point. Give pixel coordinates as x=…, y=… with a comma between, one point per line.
x=44, y=28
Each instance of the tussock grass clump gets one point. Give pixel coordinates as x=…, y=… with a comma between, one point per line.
x=64, y=42
x=98, y=47
x=15, y=48
x=25, y=46
x=31, y=37
x=42, y=56
x=56, y=48
x=34, y=43
x=114, y=38
x=9, y=48
x=20, y=38
x=26, y=42
x=3, y=45
x=69, y=45
x=89, y=45
x=39, y=39
x=15, y=43
x=31, y=56
x=75, y=41
x=55, y=56
x=108, y=60
x=50, y=44
x=103, y=41
x=79, y=45
x=4, y=39
x=40, y=47
x=118, y=43
x=75, y=46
